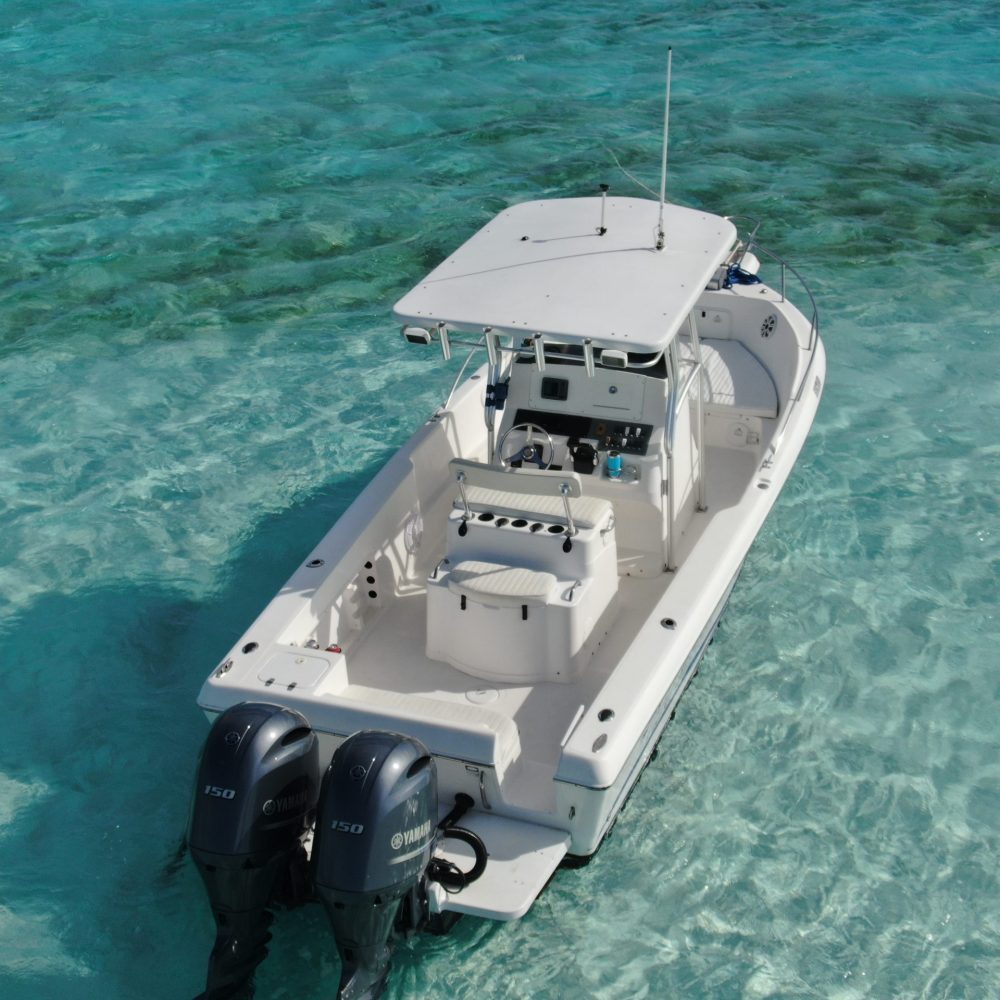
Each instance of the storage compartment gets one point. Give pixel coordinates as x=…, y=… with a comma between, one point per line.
x=519, y=599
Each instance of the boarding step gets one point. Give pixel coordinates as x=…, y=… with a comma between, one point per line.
x=522, y=858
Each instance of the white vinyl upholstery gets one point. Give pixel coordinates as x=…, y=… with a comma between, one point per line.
x=534, y=482
x=504, y=586
x=733, y=378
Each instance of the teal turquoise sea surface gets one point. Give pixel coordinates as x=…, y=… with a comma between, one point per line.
x=207, y=210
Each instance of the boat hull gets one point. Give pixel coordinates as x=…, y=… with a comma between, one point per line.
x=480, y=749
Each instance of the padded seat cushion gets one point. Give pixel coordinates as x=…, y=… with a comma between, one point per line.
x=507, y=586
x=734, y=377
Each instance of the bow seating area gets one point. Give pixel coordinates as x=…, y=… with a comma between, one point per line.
x=733, y=380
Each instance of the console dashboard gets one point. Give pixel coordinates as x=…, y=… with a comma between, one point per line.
x=625, y=436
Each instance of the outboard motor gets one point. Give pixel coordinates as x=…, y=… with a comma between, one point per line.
x=258, y=782
x=374, y=835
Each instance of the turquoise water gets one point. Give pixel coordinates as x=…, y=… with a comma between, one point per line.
x=206, y=213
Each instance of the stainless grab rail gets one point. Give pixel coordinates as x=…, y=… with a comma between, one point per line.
x=750, y=244
x=677, y=393
x=785, y=266
x=458, y=378
x=675, y=399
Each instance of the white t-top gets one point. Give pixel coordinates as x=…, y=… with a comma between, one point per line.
x=542, y=267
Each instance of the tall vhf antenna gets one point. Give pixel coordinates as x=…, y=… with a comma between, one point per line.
x=660, y=236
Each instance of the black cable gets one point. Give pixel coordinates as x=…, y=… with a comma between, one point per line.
x=447, y=872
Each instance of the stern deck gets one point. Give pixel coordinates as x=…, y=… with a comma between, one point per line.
x=530, y=723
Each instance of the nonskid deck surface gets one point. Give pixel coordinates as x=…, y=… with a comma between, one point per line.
x=390, y=655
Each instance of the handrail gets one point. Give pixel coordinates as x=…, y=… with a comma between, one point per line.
x=674, y=404
x=751, y=244
x=752, y=238
x=461, y=372
x=814, y=318
x=676, y=395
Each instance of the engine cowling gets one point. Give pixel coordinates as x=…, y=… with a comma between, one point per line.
x=255, y=798
x=374, y=835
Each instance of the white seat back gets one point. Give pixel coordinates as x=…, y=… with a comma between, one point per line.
x=533, y=482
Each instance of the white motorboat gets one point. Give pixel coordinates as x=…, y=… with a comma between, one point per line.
x=491, y=640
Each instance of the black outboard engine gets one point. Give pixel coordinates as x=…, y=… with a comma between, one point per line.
x=374, y=835
x=258, y=782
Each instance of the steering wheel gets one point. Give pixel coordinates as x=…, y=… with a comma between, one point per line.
x=525, y=448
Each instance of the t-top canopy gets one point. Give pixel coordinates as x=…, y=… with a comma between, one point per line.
x=542, y=267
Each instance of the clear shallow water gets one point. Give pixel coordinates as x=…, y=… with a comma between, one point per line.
x=206, y=213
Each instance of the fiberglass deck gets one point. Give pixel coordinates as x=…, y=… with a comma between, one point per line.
x=390, y=658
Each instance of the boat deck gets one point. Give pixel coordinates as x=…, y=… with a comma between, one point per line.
x=390, y=655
